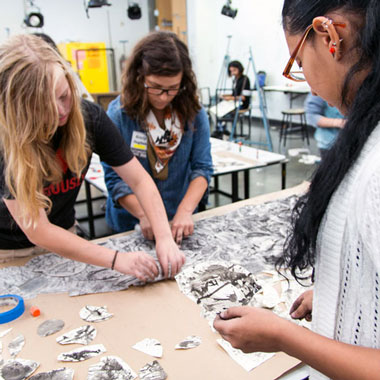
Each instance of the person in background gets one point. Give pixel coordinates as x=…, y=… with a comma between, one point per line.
x=161, y=119
x=240, y=95
x=327, y=121
x=336, y=223
x=83, y=92
x=47, y=136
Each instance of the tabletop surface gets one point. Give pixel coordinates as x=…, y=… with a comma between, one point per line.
x=158, y=311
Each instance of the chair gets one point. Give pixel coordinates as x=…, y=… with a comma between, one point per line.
x=290, y=128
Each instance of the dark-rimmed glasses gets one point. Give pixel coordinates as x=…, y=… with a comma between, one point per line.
x=160, y=91
x=297, y=75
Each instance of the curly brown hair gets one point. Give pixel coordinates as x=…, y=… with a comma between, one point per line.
x=159, y=53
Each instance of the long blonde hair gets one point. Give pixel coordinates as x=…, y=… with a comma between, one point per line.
x=29, y=120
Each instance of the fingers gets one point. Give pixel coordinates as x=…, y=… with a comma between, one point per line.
x=296, y=304
x=232, y=312
x=300, y=312
x=182, y=228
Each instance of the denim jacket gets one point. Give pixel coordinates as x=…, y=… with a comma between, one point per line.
x=192, y=159
x=315, y=108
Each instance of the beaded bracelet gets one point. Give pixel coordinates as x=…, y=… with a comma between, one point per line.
x=114, y=259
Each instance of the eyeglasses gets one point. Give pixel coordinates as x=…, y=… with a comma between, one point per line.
x=160, y=91
x=298, y=75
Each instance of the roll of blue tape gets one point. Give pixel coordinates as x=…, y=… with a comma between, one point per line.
x=13, y=313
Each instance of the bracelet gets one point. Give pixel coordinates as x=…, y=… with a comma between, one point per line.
x=114, y=259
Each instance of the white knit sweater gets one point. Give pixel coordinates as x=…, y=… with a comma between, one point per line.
x=346, y=292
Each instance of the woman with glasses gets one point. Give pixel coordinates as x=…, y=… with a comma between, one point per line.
x=336, y=224
x=47, y=136
x=160, y=118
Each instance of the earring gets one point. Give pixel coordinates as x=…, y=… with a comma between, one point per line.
x=333, y=49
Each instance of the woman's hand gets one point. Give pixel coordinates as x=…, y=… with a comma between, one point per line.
x=170, y=256
x=302, y=306
x=146, y=228
x=250, y=329
x=182, y=226
x=138, y=264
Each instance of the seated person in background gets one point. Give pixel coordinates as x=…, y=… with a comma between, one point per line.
x=47, y=136
x=83, y=92
x=161, y=119
x=240, y=84
x=327, y=121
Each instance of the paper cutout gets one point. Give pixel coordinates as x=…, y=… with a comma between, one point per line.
x=16, y=345
x=81, y=354
x=247, y=361
x=190, y=341
x=49, y=327
x=5, y=332
x=152, y=371
x=217, y=286
x=95, y=313
x=81, y=335
x=111, y=368
x=56, y=374
x=149, y=346
x=18, y=369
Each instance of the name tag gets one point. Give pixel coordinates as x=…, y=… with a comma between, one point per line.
x=139, y=144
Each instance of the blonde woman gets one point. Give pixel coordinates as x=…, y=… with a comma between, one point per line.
x=47, y=136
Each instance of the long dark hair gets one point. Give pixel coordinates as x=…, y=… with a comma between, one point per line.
x=159, y=53
x=362, y=118
x=238, y=65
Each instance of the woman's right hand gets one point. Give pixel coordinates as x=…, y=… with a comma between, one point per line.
x=302, y=306
x=138, y=264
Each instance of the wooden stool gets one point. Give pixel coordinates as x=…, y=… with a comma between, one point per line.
x=289, y=127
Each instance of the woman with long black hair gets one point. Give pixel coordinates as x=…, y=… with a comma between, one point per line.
x=336, y=224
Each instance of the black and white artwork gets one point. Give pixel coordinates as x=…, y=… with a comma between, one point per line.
x=81, y=335
x=149, y=346
x=50, y=326
x=190, y=341
x=16, y=345
x=81, y=354
x=18, y=369
x=247, y=361
x=216, y=286
x=111, y=368
x=56, y=374
x=152, y=371
x=94, y=313
x=251, y=236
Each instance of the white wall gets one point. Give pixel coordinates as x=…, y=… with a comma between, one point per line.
x=66, y=21
x=257, y=25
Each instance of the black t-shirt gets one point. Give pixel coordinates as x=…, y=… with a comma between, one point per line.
x=104, y=139
x=242, y=83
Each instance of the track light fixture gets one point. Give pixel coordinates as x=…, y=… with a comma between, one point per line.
x=94, y=4
x=134, y=11
x=34, y=20
x=228, y=11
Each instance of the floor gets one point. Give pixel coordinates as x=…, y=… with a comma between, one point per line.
x=262, y=181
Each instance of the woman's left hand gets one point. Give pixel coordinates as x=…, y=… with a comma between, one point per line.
x=250, y=329
x=169, y=255
x=182, y=226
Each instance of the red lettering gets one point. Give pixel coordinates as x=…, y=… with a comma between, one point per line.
x=55, y=189
x=64, y=188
